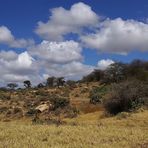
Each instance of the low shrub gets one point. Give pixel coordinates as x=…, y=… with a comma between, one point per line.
x=123, y=115
x=71, y=112
x=59, y=102
x=17, y=110
x=95, y=98
x=37, y=120
x=96, y=94
x=31, y=112
x=42, y=98
x=41, y=93
x=8, y=113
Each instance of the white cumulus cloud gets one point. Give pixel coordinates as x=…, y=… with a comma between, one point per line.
x=16, y=67
x=57, y=52
x=6, y=37
x=118, y=36
x=62, y=21
x=104, y=63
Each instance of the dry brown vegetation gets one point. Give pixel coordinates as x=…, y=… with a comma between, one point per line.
x=23, y=103
x=74, y=116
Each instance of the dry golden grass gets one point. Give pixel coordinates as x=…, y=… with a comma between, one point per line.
x=86, y=131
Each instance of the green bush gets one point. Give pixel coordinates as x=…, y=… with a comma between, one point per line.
x=95, y=99
x=42, y=95
x=59, y=102
x=126, y=96
x=96, y=94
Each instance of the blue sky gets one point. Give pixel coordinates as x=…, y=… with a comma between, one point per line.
x=106, y=31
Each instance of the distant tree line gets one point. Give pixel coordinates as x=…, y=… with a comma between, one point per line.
x=118, y=72
x=50, y=82
x=115, y=73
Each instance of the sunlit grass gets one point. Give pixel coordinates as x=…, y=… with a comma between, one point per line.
x=86, y=131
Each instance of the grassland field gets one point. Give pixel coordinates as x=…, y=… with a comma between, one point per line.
x=90, y=130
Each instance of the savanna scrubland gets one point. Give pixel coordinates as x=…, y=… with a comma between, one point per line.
x=107, y=108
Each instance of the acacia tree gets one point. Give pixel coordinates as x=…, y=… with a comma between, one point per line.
x=12, y=85
x=27, y=84
x=40, y=85
x=115, y=73
x=60, y=81
x=96, y=75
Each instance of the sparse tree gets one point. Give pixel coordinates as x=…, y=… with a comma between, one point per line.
x=96, y=75
x=50, y=81
x=115, y=73
x=40, y=85
x=12, y=85
x=60, y=81
x=27, y=84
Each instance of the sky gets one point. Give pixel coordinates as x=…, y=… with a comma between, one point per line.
x=70, y=38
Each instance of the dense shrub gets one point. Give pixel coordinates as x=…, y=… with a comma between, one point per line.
x=126, y=96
